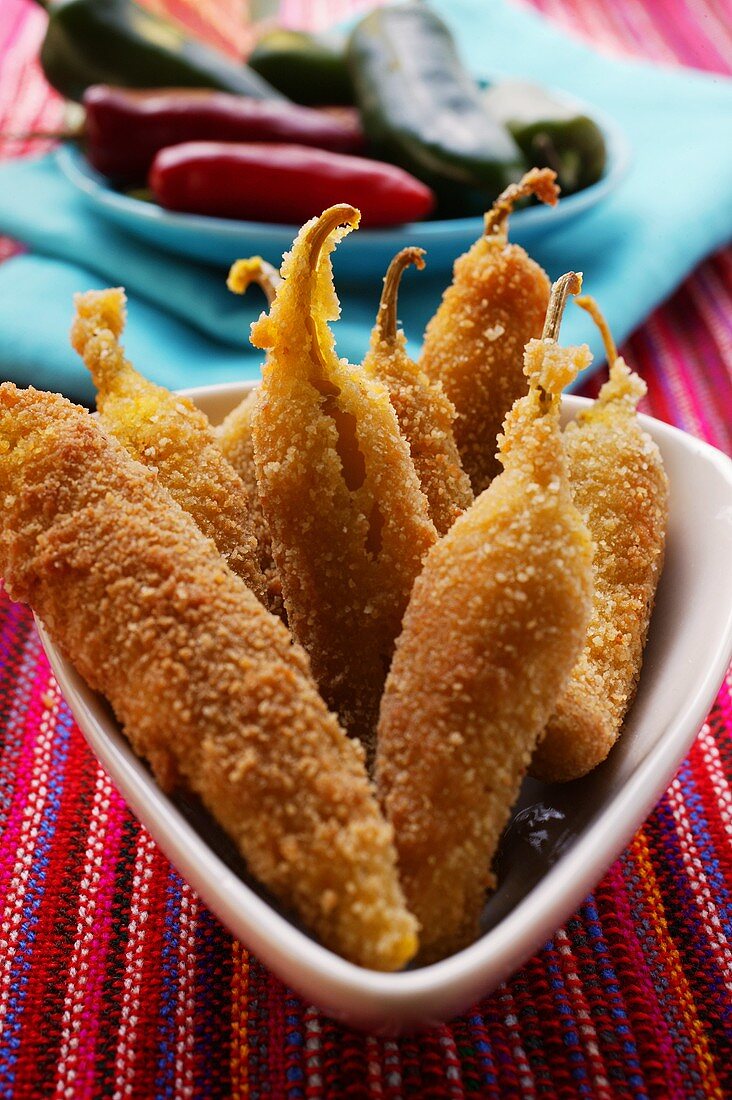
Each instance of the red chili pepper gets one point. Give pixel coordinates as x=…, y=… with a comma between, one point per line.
x=283, y=183
x=124, y=128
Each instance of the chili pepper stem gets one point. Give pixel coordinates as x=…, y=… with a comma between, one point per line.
x=72, y=133
x=539, y=181
x=544, y=145
x=254, y=270
x=329, y=220
x=386, y=318
x=623, y=386
x=72, y=127
x=570, y=283
x=588, y=303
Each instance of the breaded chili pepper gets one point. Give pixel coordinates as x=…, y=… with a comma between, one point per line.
x=494, y=626
x=282, y=183
x=124, y=128
x=620, y=487
x=168, y=433
x=234, y=434
x=474, y=343
x=349, y=523
x=204, y=682
x=424, y=413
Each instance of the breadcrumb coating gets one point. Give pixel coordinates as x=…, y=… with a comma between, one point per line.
x=167, y=433
x=474, y=344
x=495, y=624
x=234, y=437
x=206, y=684
x=424, y=412
x=349, y=523
x=620, y=487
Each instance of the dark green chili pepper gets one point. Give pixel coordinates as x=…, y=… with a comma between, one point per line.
x=118, y=42
x=307, y=68
x=422, y=110
x=550, y=132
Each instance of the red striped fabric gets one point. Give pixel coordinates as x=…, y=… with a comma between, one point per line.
x=116, y=981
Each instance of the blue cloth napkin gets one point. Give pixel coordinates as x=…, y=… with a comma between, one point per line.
x=674, y=206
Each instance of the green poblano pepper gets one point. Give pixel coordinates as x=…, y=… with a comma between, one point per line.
x=307, y=68
x=421, y=109
x=119, y=42
x=550, y=131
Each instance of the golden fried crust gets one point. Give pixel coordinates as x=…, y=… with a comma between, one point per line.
x=234, y=437
x=494, y=626
x=206, y=684
x=167, y=433
x=425, y=416
x=474, y=345
x=349, y=523
x=619, y=485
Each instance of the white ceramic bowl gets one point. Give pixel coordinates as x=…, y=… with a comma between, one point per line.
x=561, y=838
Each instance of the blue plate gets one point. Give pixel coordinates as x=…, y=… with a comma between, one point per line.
x=363, y=255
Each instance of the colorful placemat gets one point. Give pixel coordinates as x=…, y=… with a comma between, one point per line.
x=115, y=981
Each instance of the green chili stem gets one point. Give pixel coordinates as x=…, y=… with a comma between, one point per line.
x=539, y=181
x=254, y=270
x=571, y=283
x=588, y=303
x=67, y=133
x=386, y=318
x=343, y=214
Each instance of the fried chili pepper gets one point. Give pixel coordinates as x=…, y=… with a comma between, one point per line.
x=168, y=433
x=204, y=682
x=234, y=434
x=494, y=626
x=120, y=42
x=124, y=128
x=424, y=413
x=349, y=523
x=620, y=487
x=282, y=183
x=474, y=343
x=421, y=109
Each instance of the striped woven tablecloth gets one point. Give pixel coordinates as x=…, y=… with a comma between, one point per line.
x=115, y=980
